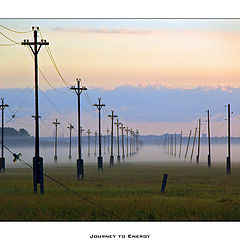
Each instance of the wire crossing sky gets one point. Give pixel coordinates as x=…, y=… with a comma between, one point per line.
x=111, y=53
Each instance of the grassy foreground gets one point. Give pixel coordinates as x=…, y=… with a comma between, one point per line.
x=131, y=191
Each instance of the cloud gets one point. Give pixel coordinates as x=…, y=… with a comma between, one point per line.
x=104, y=30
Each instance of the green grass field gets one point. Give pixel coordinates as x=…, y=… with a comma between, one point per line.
x=131, y=191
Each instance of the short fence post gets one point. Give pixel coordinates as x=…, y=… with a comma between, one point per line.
x=164, y=182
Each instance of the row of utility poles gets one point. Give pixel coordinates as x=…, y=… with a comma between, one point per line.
x=132, y=145
x=168, y=142
x=35, y=47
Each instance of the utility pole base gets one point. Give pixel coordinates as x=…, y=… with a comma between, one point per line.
x=118, y=158
x=197, y=159
x=80, y=170
x=123, y=156
x=209, y=161
x=55, y=158
x=111, y=161
x=2, y=164
x=69, y=157
x=38, y=174
x=100, y=163
x=228, y=166
x=88, y=154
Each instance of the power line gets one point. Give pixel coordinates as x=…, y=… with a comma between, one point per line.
x=44, y=77
x=17, y=157
x=55, y=65
x=7, y=45
x=55, y=106
x=11, y=30
x=20, y=106
x=10, y=39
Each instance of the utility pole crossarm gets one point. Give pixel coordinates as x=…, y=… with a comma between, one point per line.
x=78, y=89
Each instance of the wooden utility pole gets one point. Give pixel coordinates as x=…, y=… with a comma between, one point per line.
x=131, y=142
x=81, y=132
x=112, y=116
x=2, y=159
x=175, y=152
x=70, y=140
x=95, y=151
x=88, y=133
x=194, y=139
x=122, y=128
x=209, y=140
x=137, y=135
x=37, y=160
x=118, y=124
x=80, y=168
x=168, y=143
x=229, y=146
x=180, y=150
x=104, y=144
x=56, y=123
x=199, y=137
x=108, y=139
x=127, y=131
x=100, y=159
x=171, y=144
x=188, y=143
x=134, y=142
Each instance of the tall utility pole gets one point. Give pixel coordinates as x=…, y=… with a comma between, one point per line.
x=104, y=144
x=194, y=139
x=188, y=144
x=112, y=116
x=2, y=159
x=175, y=152
x=88, y=133
x=229, y=146
x=122, y=128
x=117, y=124
x=95, y=151
x=81, y=132
x=80, y=168
x=168, y=143
x=134, y=143
x=70, y=140
x=199, y=137
x=133, y=133
x=209, y=140
x=127, y=131
x=100, y=159
x=108, y=139
x=131, y=136
x=137, y=135
x=37, y=160
x=180, y=145
x=171, y=144
x=56, y=123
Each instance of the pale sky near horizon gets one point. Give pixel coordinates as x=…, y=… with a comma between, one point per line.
x=108, y=53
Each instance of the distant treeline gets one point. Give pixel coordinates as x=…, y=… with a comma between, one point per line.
x=12, y=132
